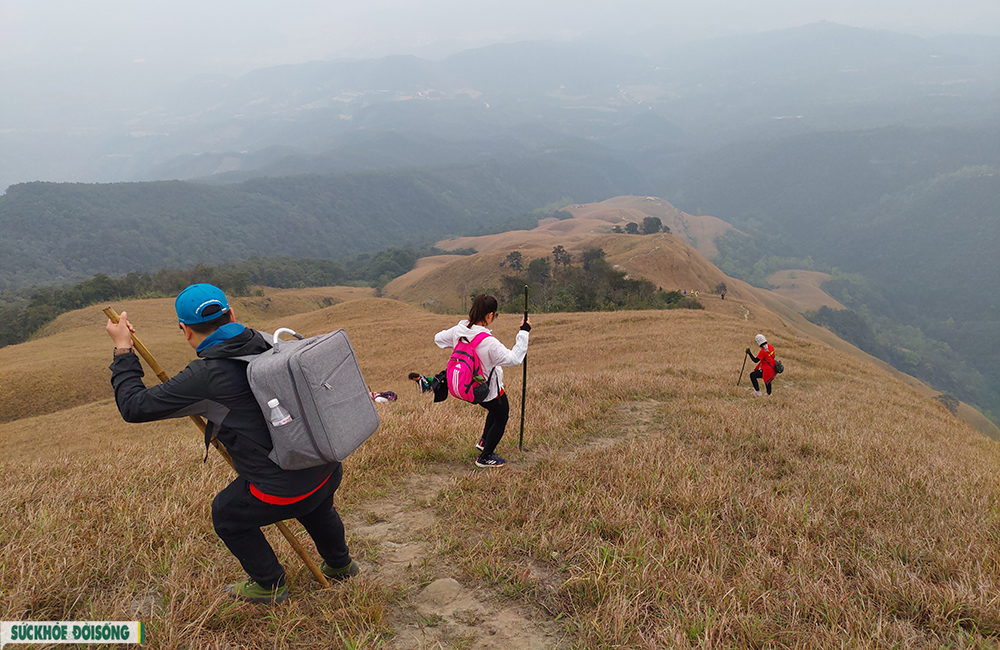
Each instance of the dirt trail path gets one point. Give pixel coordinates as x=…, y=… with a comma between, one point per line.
x=439, y=611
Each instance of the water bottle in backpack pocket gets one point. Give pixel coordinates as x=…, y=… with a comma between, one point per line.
x=279, y=416
x=465, y=371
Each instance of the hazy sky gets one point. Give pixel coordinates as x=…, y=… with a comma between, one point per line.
x=234, y=36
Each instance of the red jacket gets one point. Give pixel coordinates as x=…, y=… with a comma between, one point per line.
x=766, y=363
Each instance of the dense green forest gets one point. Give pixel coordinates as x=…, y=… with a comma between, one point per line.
x=58, y=232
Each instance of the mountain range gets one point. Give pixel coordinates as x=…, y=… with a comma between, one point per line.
x=664, y=103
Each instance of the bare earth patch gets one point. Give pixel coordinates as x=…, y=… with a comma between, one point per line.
x=438, y=611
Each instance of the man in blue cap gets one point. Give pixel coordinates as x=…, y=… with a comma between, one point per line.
x=215, y=387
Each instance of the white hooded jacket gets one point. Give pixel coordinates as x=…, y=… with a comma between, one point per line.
x=491, y=352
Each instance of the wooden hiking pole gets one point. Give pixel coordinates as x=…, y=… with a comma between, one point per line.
x=200, y=423
x=524, y=377
x=742, y=369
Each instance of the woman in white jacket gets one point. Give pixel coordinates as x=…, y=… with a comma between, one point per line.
x=493, y=356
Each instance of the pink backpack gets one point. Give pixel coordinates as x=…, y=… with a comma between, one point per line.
x=465, y=372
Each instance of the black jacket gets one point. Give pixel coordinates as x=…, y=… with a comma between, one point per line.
x=215, y=387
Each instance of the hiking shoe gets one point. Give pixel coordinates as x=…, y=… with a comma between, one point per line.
x=254, y=593
x=755, y=393
x=490, y=461
x=481, y=444
x=343, y=573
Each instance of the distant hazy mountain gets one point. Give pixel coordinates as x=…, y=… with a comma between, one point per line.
x=658, y=106
x=370, y=152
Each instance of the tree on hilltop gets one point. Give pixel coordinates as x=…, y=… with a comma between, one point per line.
x=539, y=271
x=561, y=256
x=651, y=225
x=514, y=261
x=632, y=228
x=593, y=285
x=592, y=257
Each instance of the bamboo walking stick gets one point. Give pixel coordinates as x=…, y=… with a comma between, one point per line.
x=200, y=423
x=524, y=378
x=742, y=369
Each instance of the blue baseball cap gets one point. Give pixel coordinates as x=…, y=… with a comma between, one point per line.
x=193, y=301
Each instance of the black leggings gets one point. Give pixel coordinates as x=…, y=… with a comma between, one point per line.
x=498, y=412
x=758, y=374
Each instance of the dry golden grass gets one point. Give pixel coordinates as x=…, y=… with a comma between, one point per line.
x=845, y=511
x=803, y=287
x=441, y=283
x=590, y=219
x=61, y=367
x=788, y=314
x=656, y=504
x=699, y=232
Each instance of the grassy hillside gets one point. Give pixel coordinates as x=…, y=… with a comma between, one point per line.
x=443, y=283
x=38, y=379
x=804, y=287
x=698, y=232
x=656, y=504
x=913, y=211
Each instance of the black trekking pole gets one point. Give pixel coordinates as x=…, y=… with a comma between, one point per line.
x=742, y=369
x=524, y=377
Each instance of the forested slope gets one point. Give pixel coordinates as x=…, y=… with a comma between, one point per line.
x=53, y=232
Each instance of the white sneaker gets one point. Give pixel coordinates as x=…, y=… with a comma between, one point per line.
x=755, y=393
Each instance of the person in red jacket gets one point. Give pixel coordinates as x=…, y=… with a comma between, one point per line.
x=765, y=365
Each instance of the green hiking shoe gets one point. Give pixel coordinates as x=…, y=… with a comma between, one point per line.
x=343, y=573
x=253, y=592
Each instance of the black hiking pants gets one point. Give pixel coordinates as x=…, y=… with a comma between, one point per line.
x=497, y=414
x=754, y=376
x=238, y=517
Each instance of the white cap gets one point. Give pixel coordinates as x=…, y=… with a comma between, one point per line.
x=273, y=403
x=760, y=339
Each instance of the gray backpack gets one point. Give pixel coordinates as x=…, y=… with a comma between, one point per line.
x=318, y=382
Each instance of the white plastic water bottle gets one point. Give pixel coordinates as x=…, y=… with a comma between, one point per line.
x=279, y=416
